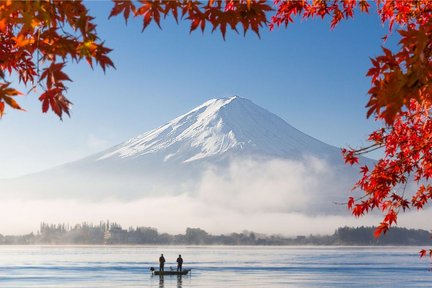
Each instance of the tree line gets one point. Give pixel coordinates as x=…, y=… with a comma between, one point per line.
x=106, y=233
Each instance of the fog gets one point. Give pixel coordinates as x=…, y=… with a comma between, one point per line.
x=274, y=186
x=172, y=214
x=284, y=197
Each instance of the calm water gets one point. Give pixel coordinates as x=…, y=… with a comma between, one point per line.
x=77, y=266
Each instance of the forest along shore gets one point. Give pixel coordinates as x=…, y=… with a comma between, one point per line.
x=112, y=233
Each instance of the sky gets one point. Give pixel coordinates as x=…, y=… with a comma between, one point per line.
x=311, y=76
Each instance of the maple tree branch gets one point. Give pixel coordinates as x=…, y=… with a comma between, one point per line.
x=365, y=150
x=355, y=200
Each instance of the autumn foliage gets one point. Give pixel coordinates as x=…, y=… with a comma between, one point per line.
x=39, y=38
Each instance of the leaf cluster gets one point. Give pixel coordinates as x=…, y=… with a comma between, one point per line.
x=38, y=39
x=221, y=14
x=406, y=145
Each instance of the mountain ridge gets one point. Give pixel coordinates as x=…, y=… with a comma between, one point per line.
x=218, y=126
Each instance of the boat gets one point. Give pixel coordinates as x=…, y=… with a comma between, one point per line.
x=169, y=272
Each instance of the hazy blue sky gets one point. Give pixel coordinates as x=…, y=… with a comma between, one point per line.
x=309, y=75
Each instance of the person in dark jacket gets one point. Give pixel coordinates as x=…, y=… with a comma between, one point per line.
x=179, y=263
x=161, y=263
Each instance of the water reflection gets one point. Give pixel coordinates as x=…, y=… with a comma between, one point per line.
x=161, y=281
x=179, y=281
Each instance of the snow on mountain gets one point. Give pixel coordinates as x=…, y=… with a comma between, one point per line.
x=226, y=148
x=219, y=126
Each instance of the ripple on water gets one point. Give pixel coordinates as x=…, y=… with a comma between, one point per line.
x=101, y=266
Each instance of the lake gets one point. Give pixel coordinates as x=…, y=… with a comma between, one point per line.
x=213, y=266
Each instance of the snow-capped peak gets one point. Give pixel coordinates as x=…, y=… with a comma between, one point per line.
x=216, y=127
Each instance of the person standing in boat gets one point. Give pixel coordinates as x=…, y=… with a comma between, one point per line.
x=179, y=263
x=161, y=263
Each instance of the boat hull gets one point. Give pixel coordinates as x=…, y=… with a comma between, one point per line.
x=169, y=272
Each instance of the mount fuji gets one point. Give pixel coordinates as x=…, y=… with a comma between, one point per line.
x=218, y=128
x=221, y=142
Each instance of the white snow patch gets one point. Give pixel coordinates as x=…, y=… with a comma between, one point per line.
x=218, y=126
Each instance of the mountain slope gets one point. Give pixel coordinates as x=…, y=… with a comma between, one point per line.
x=201, y=147
x=220, y=126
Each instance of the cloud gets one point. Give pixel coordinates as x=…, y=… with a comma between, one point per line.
x=289, y=197
x=281, y=186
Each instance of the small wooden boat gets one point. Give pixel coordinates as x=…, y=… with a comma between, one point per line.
x=170, y=272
